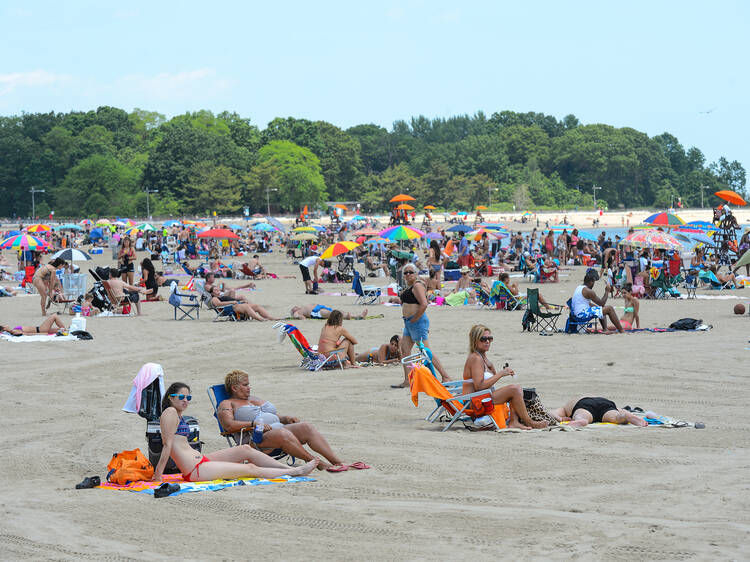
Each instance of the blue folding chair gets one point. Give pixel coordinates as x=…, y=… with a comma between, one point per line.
x=365, y=294
x=574, y=324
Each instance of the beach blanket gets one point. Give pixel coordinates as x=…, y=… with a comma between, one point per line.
x=369, y=317
x=662, y=422
x=147, y=487
x=37, y=337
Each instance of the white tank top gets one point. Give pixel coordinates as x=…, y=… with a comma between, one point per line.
x=579, y=302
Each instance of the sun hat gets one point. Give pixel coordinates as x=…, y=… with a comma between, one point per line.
x=464, y=269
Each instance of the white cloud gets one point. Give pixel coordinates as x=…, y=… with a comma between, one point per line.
x=171, y=85
x=33, y=79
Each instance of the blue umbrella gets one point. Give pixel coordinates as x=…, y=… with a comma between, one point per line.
x=700, y=237
x=14, y=233
x=236, y=226
x=68, y=227
x=277, y=223
x=358, y=218
x=459, y=228
x=173, y=223
x=96, y=233
x=462, y=213
x=263, y=227
x=587, y=236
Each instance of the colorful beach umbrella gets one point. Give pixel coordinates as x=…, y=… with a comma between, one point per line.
x=401, y=232
x=368, y=232
x=146, y=227
x=221, y=233
x=433, y=236
x=277, y=223
x=666, y=220
x=338, y=248
x=401, y=197
x=651, y=239
x=476, y=235
x=701, y=238
x=298, y=236
x=132, y=231
x=26, y=241
x=304, y=229
x=492, y=226
x=731, y=197
x=85, y=222
x=340, y=206
x=704, y=226
x=263, y=227
x=404, y=207
x=377, y=240
x=103, y=222
x=38, y=228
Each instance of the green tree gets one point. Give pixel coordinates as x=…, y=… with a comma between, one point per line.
x=213, y=188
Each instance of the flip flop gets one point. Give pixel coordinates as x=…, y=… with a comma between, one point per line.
x=338, y=468
x=359, y=465
x=89, y=482
x=402, y=385
x=166, y=489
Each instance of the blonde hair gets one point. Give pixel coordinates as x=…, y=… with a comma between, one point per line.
x=476, y=332
x=233, y=378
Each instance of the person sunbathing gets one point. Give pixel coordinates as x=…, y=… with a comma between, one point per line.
x=229, y=306
x=513, y=288
x=236, y=462
x=320, y=311
x=46, y=327
x=632, y=307
x=288, y=433
x=724, y=278
x=480, y=374
x=383, y=355
x=230, y=292
x=334, y=336
x=583, y=410
x=254, y=268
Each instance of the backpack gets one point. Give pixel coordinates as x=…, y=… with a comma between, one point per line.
x=129, y=466
x=528, y=320
x=685, y=324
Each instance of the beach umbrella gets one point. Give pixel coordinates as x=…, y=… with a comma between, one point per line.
x=651, y=239
x=96, y=233
x=358, y=218
x=700, y=237
x=401, y=198
x=682, y=237
x=297, y=236
x=404, y=207
x=85, y=222
x=462, y=213
x=430, y=207
x=476, y=235
x=667, y=220
x=103, y=222
x=305, y=229
x=340, y=206
x=481, y=208
x=377, y=240
x=401, y=232
x=13, y=233
x=368, y=232
x=338, y=248
x=703, y=226
x=132, y=231
x=235, y=226
x=263, y=227
x=71, y=254
x=146, y=227
x=433, y=236
x=731, y=197
x=492, y=226
x=120, y=223
x=459, y=228
x=38, y=228
x=744, y=260
x=173, y=223
x=26, y=241
x=318, y=227
x=221, y=233
x=277, y=223
x=527, y=214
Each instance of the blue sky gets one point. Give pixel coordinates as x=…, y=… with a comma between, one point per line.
x=656, y=66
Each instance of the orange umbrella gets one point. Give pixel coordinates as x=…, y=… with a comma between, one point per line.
x=340, y=206
x=731, y=197
x=430, y=207
x=404, y=207
x=481, y=208
x=401, y=197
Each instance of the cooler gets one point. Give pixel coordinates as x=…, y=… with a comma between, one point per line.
x=452, y=274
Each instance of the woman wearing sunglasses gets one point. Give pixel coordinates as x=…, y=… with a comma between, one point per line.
x=480, y=374
x=416, y=324
x=236, y=462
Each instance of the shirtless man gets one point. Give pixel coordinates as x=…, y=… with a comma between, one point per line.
x=584, y=410
x=254, y=265
x=319, y=311
x=120, y=289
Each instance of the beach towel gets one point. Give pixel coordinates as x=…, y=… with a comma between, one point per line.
x=147, y=487
x=146, y=375
x=37, y=338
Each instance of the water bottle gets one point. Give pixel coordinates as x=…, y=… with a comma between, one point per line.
x=258, y=431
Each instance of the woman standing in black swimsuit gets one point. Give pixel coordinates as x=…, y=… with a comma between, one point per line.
x=45, y=281
x=416, y=323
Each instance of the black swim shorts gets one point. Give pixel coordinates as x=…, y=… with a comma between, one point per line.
x=596, y=406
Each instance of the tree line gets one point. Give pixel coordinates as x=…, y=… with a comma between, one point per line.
x=103, y=162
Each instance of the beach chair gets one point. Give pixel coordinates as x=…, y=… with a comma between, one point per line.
x=186, y=309
x=500, y=292
x=484, y=300
x=367, y=294
x=663, y=289
x=575, y=325
x=216, y=395
x=126, y=307
x=690, y=284
x=546, y=321
x=710, y=281
x=223, y=313
x=311, y=359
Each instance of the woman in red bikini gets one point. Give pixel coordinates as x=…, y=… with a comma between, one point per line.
x=237, y=462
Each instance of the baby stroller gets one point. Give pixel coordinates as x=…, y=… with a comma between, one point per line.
x=345, y=268
x=100, y=299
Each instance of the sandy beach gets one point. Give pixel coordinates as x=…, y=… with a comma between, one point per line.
x=619, y=493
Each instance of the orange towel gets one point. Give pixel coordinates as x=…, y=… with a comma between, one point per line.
x=421, y=380
x=449, y=248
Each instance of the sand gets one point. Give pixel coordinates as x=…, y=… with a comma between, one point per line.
x=621, y=494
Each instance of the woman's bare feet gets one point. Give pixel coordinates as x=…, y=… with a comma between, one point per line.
x=322, y=465
x=518, y=425
x=364, y=314
x=305, y=469
x=539, y=424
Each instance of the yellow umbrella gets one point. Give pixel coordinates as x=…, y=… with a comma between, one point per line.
x=304, y=229
x=338, y=248
x=38, y=228
x=297, y=236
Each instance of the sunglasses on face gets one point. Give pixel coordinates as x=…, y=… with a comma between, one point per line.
x=409, y=272
x=187, y=397
x=486, y=339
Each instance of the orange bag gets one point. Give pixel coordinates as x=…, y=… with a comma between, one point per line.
x=129, y=466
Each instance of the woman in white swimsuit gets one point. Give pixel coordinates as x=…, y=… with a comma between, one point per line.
x=480, y=374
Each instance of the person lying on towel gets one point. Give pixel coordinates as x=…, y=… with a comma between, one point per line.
x=51, y=325
x=583, y=410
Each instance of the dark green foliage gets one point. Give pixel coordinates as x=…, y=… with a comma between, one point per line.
x=101, y=161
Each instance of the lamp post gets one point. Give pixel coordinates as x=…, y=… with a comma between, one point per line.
x=703, y=188
x=148, y=207
x=268, y=199
x=34, y=190
x=594, y=188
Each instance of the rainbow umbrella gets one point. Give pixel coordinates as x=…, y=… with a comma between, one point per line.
x=132, y=231
x=23, y=241
x=667, y=220
x=401, y=232
x=85, y=222
x=492, y=226
x=476, y=235
x=698, y=226
x=38, y=228
x=338, y=248
x=651, y=239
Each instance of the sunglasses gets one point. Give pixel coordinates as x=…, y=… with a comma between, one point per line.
x=189, y=397
x=410, y=272
x=486, y=339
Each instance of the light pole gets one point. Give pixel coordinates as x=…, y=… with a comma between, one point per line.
x=268, y=200
x=34, y=190
x=703, y=188
x=148, y=207
x=594, y=188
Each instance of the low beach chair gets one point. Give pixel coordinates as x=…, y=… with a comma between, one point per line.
x=176, y=299
x=311, y=359
x=690, y=284
x=546, y=321
x=366, y=294
x=122, y=303
x=663, y=289
x=710, y=281
x=500, y=292
x=223, y=313
x=484, y=300
x=575, y=325
x=216, y=395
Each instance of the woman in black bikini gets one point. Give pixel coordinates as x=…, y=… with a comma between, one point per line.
x=236, y=462
x=45, y=281
x=126, y=259
x=44, y=328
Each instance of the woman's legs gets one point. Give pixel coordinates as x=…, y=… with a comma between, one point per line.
x=437, y=363
x=262, y=311
x=292, y=437
x=513, y=393
x=42, y=288
x=406, y=344
x=45, y=327
x=246, y=309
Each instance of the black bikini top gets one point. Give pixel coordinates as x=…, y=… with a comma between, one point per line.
x=407, y=296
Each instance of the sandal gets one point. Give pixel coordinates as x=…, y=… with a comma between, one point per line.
x=89, y=482
x=166, y=489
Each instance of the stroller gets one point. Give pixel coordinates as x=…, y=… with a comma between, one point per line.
x=345, y=268
x=100, y=299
